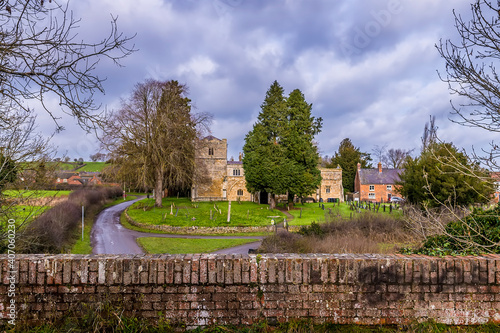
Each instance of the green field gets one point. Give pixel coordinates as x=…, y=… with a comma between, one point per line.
x=35, y=194
x=157, y=245
x=188, y=214
x=92, y=167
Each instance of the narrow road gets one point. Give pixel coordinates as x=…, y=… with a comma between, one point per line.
x=108, y=236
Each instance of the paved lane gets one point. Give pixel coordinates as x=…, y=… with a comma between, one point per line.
x=108, y=236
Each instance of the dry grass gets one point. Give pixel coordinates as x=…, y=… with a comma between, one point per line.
x=366, y=234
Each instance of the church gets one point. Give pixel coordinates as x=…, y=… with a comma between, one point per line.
x=226, y=178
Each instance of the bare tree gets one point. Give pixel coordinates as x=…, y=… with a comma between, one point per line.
x=154, y=134
x=379, y=153
x=42, y=56
x=396, y=157
x=23, y=153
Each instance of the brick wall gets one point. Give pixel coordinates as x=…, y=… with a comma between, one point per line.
x=235, y=289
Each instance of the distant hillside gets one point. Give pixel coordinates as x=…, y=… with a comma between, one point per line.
x=92, y=167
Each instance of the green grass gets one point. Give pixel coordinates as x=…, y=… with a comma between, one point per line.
x=198, y=214
x=23, y=214
x=312, y=212
x=157, y=245
x=83, y=246
x=92, y=167
x=126, y=224
x=35, y=194
x=120, y=200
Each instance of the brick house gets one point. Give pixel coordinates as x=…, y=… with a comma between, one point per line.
x=376, y=185
x=496, y=179
x=69, y=178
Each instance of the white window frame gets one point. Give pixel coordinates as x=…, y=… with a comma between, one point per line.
x=371, y=196
x=372, y=187
x=389, y=187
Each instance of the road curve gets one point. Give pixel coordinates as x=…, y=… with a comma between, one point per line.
x=108, y=236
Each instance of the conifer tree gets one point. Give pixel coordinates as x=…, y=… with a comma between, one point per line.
x=348, y=157
x=279, y=154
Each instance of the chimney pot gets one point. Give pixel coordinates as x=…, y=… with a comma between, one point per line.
x=379, y=167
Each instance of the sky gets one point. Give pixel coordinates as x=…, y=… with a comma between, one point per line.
x=369, y=67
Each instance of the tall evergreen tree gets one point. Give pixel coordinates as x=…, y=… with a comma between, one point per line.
x=348, y=157
x=279, y=154
x=300, y=149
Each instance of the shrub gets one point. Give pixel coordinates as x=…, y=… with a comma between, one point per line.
x=53, y=230
x=476, y=233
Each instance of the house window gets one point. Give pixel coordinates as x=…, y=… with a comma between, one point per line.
x=65, y=180
x=240, y=192
x=372, y=187
x=327, y=190
x=371, y=195
x=389, y=187
x=210, y=151
x=236, y=172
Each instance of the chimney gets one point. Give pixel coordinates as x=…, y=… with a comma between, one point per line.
x=359, y=166
x=240, y=157
x=379, y=167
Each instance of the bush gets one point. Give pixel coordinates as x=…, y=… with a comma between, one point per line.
x=369, y=233
x=478, y=232
x=53, y=230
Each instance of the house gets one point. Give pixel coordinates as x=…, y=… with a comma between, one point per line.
x=225, y=179
x=376, y=185
x=91, y=178
x=70, y=178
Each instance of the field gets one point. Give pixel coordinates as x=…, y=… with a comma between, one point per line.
x=36, y=194
x=183, y=213
x=92, y=167
x=157, y=245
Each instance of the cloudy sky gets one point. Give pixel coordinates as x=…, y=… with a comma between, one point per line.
x=369, y=67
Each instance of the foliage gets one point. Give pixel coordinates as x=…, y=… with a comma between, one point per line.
x=159, y=245
x=313, y=229
x=442, y=174
x=279, y=154
x=478, y=232
x=8, y=170
x=348, y=157
x=152, y=137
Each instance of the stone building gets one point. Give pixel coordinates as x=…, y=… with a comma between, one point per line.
x=226, y=179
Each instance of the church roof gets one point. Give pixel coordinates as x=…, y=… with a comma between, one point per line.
x=210, y=138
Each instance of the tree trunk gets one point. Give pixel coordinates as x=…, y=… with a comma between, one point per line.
x=158, y=188
x=290, y=196
x=272, y=201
